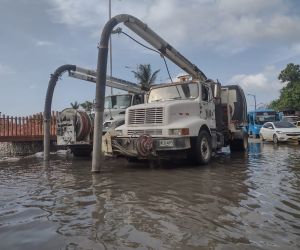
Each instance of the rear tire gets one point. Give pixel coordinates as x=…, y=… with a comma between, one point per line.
x=239, y=144
x=202, y=150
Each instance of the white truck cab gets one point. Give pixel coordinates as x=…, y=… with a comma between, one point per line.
x=115, y=106
x=179, y=120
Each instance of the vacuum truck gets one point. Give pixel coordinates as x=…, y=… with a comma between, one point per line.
x=187, y=119
x=75, y=127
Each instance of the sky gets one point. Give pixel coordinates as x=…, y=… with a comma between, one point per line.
x=245, y=42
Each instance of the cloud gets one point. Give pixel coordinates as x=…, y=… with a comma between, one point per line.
x=264, y=85
x=228, y=26
x=6, y=70
x=32, y=86
x=43, y=43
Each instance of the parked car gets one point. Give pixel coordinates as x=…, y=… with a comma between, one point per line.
x=280, y=131
x=290, y=118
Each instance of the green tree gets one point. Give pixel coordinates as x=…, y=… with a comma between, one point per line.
x=290, y=75
x=290, y=94
x=87, y=106
x=145, y=76
x=75, y=105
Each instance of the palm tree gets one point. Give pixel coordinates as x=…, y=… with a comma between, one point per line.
x=145, y=76
x=75, y=105
x=87, y=106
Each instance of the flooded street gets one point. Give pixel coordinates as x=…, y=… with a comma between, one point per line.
x=239, y=201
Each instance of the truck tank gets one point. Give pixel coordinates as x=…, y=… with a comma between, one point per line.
x=81, y=120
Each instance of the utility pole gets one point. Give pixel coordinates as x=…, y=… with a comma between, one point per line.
x=254, y=96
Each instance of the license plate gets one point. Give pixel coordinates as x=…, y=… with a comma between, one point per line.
x=166, y=143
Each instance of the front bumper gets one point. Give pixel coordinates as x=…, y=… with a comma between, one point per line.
x=128, y=146
x=284, y=137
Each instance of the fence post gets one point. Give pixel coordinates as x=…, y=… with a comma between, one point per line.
x=8, y=126
x=27, y=125
x=16, y=127
x=20, y=126
x=33, y=124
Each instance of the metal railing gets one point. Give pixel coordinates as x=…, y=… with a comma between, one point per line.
x=14, y=128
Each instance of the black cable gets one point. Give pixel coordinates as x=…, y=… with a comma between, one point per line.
x=145, y=46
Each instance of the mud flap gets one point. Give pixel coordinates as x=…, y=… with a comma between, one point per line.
x=106, y=144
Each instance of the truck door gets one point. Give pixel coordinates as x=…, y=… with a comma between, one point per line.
x=207, y=106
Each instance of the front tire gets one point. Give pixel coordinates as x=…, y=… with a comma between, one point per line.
x=261, y=137
x=275, y=139
x=202, y=150
x=81, y=150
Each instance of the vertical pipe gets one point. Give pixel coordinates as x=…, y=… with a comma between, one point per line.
x=48, y=102
x=99, y=108
x=110, y=48
x=100, y=90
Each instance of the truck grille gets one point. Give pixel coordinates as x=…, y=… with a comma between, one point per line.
x=146, y=131
x=146, y=116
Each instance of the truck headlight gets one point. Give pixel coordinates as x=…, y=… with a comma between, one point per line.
x=179, y=131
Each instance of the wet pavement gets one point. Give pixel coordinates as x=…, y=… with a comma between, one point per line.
x=239, y=201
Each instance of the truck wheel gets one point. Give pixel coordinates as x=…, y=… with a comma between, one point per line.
x=81, y=151
x=239, y=144
x=202, y=149
x=275, y=139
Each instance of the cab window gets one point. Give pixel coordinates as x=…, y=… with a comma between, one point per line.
x=205, y=93
x=137, y=100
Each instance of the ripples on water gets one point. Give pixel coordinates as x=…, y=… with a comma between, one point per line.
x=239, y=201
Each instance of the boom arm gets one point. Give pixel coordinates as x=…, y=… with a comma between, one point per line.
x=165, y=48
x=90, y=76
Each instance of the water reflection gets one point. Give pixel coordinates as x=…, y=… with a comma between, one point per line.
x=238, y=201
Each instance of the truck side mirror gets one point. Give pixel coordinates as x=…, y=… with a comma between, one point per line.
x=217, y=90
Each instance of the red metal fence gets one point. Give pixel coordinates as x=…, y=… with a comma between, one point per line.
x=29, y=128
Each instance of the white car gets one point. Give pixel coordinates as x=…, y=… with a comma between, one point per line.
x=279, y=131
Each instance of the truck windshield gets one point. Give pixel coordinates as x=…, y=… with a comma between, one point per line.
x=117, y=102
x=290, y=118
x=262, y=117
x=180, y=91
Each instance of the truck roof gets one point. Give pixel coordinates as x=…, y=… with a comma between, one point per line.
x=170, y=84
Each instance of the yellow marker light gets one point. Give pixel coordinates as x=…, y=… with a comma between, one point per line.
x=179, y=131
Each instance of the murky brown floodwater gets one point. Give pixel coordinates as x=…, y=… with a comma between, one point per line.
x=237, y=202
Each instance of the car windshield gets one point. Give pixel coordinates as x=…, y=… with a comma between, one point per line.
x=284, y=125
x=117, y=102
x=181, y=91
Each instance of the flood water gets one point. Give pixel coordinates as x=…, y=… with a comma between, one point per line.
x=239, y=201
